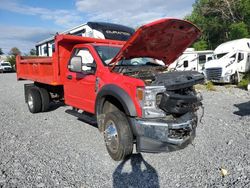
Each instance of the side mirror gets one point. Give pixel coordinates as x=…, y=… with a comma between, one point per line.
x=185, y=64
x=75, y=64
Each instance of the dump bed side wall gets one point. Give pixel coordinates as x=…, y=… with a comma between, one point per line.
x=52, y=70
x=38, y=69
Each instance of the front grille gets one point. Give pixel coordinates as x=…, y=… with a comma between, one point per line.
x=213, y=73
x=179, y=103
x=178, y=133
x=7, y=69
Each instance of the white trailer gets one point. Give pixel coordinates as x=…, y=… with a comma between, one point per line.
x=192, y=60
x=231, y=61
x=91, y=29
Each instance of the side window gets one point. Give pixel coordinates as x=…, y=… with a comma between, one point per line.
x=240, y=57
x=185, y=64
x=86, y=56
x=248, y=58
x=45, y=50
x=53, y=47
x=209, y=58
x=202, y=59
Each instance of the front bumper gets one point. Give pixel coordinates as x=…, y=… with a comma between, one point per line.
x=7, y=70
x=165, y=135
x=225, y=79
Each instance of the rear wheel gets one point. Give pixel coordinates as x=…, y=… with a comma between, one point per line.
x=45, y=99
x=34, y=100
x=236, y=78
x=118, y=136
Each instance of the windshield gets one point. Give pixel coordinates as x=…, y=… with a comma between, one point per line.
x=218, y=56
x=5, y=64
x=107, y=53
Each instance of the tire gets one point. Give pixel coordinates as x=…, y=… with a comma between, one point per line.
x=118, y=136
x=34, y=100
x=236, y=78
x=45, y=99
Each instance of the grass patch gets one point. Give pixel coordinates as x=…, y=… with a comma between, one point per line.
x=199, y=87
x=210, y=86
x=245, y=81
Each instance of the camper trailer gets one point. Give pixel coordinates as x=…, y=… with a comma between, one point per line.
x=192, y=60
x=98, y=30
x=231, y=61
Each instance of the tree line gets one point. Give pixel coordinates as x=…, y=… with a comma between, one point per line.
x=14, y=52
x=220, y=21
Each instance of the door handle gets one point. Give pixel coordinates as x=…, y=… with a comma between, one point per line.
x=69, y=77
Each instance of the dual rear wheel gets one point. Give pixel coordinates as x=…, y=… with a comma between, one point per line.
x=38, y=100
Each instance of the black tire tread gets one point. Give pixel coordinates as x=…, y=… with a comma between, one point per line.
x=37, y=103
x=125, y=135
x=45, y=99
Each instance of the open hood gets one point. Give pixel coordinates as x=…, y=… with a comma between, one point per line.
x=164, y=39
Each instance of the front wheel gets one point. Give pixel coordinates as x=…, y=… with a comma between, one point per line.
x=236, y=78
x=118, y=136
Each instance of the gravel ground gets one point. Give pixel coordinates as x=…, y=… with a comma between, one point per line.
x=54, y=149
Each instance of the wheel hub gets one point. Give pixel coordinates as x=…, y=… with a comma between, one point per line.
x=111, y=136
x=30, y=101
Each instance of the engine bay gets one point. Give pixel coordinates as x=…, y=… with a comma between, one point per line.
x=179, y=96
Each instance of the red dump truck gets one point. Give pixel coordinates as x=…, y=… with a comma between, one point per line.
x=124, y=86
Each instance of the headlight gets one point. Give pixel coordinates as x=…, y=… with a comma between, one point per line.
x=149, y=98
x=229, y=72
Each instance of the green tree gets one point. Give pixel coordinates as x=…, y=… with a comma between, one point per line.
x=200, y=45
x=1, y=51
x=238, y=30
x=244, y=10
x=15, y=51
x=12, y=60
x=220, y=20
x=32, y=52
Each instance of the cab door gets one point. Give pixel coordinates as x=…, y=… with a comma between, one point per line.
x=248, y=62
x=241, y=61
x=79, y=88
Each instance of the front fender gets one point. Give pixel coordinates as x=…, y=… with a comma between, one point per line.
x=120, y=95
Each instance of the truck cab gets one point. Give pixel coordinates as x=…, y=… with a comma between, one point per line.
x=124, y=85
x=231, y=60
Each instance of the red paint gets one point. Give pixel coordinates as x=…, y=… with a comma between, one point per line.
x=164, y=39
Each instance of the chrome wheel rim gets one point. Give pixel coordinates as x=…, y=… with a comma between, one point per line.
x=30, y=101
x=111, y=136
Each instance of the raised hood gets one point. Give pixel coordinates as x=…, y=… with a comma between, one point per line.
x=164, y=39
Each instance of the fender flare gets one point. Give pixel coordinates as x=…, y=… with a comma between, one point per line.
x=120, y=95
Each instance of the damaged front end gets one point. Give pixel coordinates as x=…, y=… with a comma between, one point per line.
x=169, y=106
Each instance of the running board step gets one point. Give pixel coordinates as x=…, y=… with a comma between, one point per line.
x=86, y=117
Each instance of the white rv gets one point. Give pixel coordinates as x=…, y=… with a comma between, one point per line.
x=231, y=59
x=192, y=60
x=91, y=29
